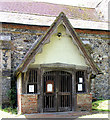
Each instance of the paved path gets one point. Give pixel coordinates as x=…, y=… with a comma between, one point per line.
x=57, y=115
x=45, y=115
x=71, y=115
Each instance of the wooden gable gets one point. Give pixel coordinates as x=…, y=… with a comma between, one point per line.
x=36, y=49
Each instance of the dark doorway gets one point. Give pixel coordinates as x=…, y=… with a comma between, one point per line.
x=57, y=91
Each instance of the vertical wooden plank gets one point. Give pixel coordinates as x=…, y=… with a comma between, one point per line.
x=57, y=82
x=23, y=83
x=35, y=76
x=68, y=101
x=36, y=80
x=27, y=76
x=65, y=100
x=44, y=102
x=60, y=86
x=68, y=85
x=63, y=83
x=86, y=83
x=32, y=72
x=62, y=100
x=66, y=82
x=73, y=90
x=41, y=96
x=33, y=79
x=50, y=101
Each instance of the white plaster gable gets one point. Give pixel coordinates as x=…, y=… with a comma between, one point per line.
x=60, y=50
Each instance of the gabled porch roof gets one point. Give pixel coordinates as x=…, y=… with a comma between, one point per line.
x=39, y=44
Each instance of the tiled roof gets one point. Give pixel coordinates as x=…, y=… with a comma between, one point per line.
x=48, y=9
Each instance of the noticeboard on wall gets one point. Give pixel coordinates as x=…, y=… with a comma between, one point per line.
x=31, y=88
x=80, y=87
x=49, y=86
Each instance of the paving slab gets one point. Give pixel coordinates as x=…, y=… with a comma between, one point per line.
x=58, y=115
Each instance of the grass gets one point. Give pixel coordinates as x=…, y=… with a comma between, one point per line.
x=100, y=105
x=9, y=110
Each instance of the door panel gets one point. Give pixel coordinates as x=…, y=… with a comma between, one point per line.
x=49, y=98
x=60, y=98
x=64, y=92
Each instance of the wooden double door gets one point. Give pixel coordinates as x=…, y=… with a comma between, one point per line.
x=57, y=92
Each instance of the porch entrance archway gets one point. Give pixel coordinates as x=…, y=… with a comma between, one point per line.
x=57, y=92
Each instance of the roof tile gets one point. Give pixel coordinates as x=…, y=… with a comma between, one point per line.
x=49, y=9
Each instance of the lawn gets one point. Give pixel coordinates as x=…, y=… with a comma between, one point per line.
x=102, y=107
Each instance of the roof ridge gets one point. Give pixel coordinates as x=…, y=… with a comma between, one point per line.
x=64, y=5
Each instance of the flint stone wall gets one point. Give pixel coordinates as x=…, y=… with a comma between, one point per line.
x=5, y=70
x=100, y=44
x=23, y=37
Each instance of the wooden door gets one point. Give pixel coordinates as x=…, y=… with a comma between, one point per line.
x=57, y=91
x=64, y=91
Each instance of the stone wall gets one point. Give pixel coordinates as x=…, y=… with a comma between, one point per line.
x=0, y=78
x=99, y=42
x=5, y=69
x=23, y=36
